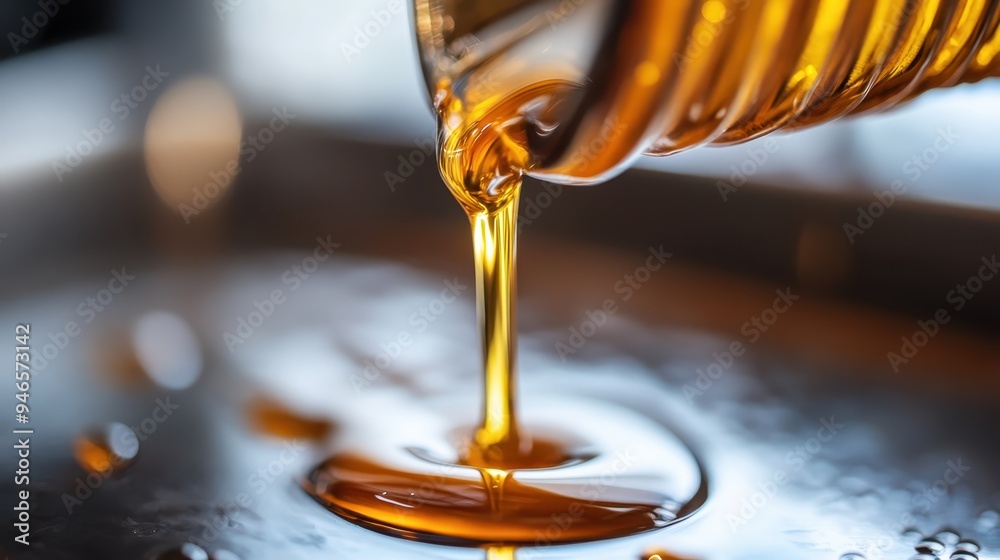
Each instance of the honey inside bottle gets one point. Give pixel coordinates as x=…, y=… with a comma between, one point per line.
x=571, y=92
x=660, y=77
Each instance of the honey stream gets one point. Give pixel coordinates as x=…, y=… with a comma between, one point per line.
x=573, y=99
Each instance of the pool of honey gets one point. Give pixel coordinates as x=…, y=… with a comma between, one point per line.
x=809, y=457
x=504, y=485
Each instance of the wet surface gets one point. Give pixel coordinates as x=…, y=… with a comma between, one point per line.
x=807, y=460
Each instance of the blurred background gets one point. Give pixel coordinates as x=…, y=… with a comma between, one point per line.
x=210, y=147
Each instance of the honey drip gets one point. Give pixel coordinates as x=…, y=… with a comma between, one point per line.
x=572, y=92
x=482, y=159
x=575, y=472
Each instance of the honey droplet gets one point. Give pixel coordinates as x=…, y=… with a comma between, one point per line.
x=110, y=448
x=273, y=419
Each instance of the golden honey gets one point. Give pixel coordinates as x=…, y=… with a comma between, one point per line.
x=572, y=92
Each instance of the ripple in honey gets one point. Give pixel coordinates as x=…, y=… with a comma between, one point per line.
x=615, y=473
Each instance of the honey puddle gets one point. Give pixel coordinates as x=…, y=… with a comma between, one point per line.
x=515, y=97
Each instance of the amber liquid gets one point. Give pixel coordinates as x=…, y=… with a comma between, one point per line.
x=482, y=160
x=657, y=77
x=508, y=483
x=638, y=76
